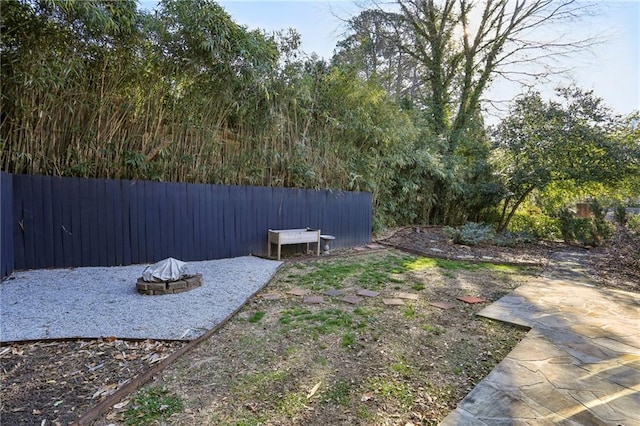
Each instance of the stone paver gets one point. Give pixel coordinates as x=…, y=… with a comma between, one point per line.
x=393, y=302
x=368, y=293
x=579, y=364
x=443, y=305
x=270, y=296
x=471, y=299
x=408, y=296
x=297, y=291
x=354, y=300
x=313, y=300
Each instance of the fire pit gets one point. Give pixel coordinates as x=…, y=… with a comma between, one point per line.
x=168, y=287
x=168, y=276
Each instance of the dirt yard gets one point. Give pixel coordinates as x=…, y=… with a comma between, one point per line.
x=287, y=360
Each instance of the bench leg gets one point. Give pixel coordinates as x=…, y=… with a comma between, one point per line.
x=279, y=250
x=269, y=249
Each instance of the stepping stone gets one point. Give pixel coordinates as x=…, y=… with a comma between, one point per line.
x=313, y=300
x=332, y=293
x=436, y=250
x=471, y=299
x=354, y=300
x=297, y=291
x=410, y=296
x=360, y=248
x=443, y=305
x=393, y=302
x=368, y=293
x=270, y=296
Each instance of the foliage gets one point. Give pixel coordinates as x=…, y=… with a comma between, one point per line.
x=471, y=234
x=540, y=226
x=545, y=142
x=620, y=214
x=152, y=404
x=634, y=224
x=590, y=231
x=99, y=89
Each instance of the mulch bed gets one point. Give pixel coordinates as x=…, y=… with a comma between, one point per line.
x=58, y=381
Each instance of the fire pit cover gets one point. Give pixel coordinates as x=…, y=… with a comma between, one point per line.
x=169, y=269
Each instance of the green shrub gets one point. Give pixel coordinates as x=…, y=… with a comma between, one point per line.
x=539, y=225
x=634, y=223
x=603, y=228
x=620, y=214
x=590, y=231
x=471, y=234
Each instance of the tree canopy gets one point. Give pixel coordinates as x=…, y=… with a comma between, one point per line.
x=97, y=88
x=575, y=139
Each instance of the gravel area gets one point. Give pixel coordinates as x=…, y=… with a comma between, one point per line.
x=102, y=301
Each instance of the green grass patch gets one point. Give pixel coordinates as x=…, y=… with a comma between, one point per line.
x=392, y=389
x=434, y=329
x=290, y=404
x=421, y=263
x=371, y=272
x=348, y=339
x=323, y=322
x=340, y=392
x=402, y=368
x=418, y=286
x=150, y=405
x=260, y=384
x=364, y=413
x=409, y=312
x=256, y=316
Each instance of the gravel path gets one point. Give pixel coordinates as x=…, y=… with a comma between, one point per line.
x=102, y=301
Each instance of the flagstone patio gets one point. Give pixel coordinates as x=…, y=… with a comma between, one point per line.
x=579, y=364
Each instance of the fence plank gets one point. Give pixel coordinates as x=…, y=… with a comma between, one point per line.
x=57, y=231
x=114, y=199
x=7, y=242
x=125, y=214
x=75, y=229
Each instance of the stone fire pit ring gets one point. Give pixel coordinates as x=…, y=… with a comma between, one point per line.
x=168, y=287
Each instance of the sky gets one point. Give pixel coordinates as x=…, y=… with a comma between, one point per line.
x=611, y=69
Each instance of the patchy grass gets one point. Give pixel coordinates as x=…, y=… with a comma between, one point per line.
x=256, y=316
x=150, y=405
x=374, y=364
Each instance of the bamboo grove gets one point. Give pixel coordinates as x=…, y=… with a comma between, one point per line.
x=98, y=88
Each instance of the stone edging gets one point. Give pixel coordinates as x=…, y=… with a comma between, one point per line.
x=168, y=287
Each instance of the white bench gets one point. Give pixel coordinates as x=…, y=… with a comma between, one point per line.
x=293, y=236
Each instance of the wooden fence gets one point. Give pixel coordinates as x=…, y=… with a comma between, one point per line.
x=68, y=222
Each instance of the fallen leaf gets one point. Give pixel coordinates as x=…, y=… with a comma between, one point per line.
x=313, y=390
x=122, y=404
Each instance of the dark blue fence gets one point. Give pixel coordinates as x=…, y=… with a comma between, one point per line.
x=67, y=222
